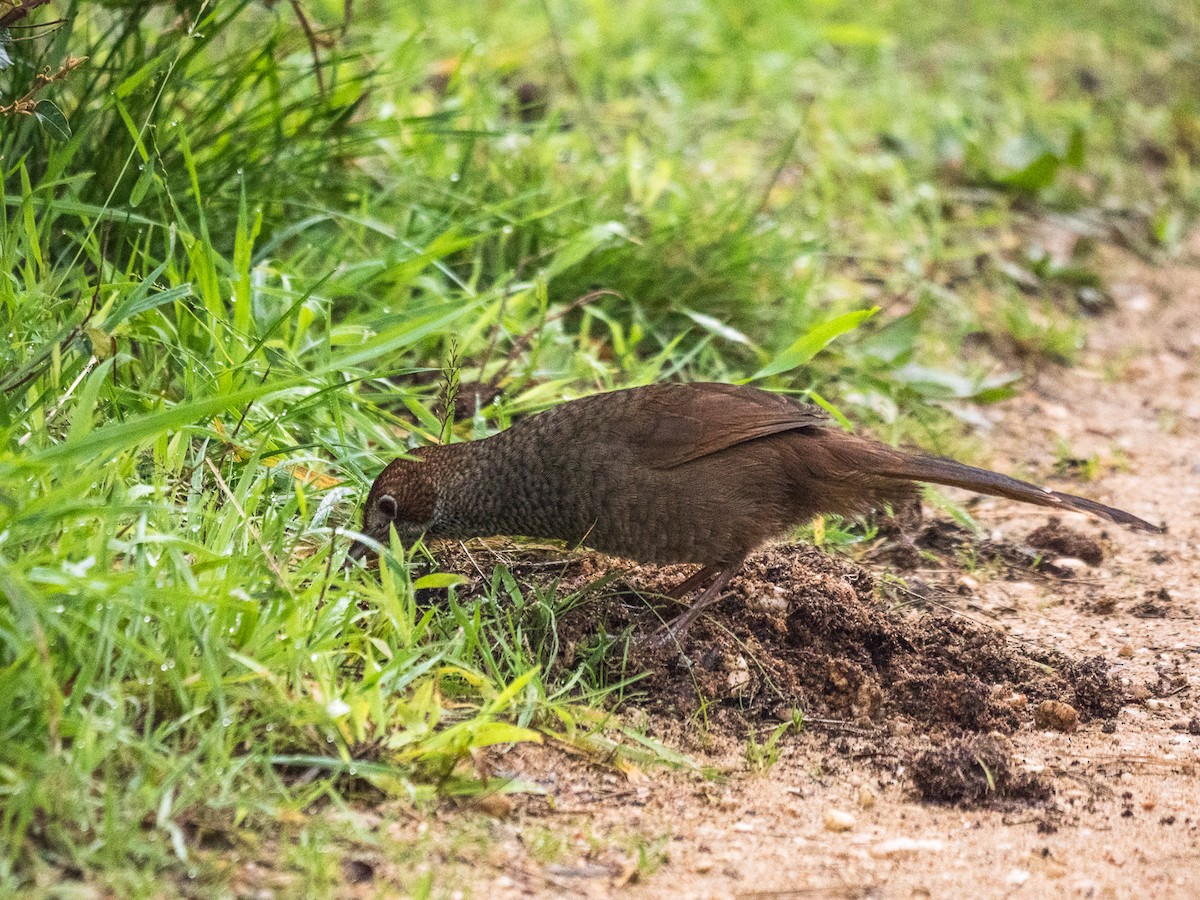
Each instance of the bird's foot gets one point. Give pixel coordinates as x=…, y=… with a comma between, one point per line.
x=674, y=631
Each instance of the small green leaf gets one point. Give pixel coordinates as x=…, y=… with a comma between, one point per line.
x=491, y=733
x=854, y=35
x=895, y=342
x=518, y=684
x=82, y=418
x=812, y=343
x=134, y=81
x=1076, y=153
x=715, y=326
x=439, y=580
x=583, y=245
x=142, y=300
x=940, y=385
x=1036, y=176
x=142, y=184
x=52, y=120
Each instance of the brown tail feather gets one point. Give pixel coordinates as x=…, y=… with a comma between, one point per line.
x=938, y=470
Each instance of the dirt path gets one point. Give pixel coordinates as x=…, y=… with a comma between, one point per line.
x=1125, y=817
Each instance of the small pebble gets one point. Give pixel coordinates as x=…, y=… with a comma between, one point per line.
x=866, y=797
x=838, y=820
x=739, y=675
x=1056, y=715
x=497, y=806
x=1016, y=877
x=904, y=846
x=1138, y=693
x=1070, y=563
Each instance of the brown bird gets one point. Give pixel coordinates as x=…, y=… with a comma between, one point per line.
x=668, y=473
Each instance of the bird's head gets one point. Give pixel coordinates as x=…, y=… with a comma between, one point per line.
x=403, y=497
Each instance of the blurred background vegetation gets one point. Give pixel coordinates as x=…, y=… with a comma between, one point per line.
x=246, y=246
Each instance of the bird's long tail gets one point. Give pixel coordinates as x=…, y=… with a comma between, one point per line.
x=938, y=470
x=881, y=461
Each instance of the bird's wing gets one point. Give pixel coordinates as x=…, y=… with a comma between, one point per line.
x=673, y=424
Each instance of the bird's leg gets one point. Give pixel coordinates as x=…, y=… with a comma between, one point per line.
x=677, y=627
x=692, y=582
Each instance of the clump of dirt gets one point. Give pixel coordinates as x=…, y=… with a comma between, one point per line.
x=1097, y=694
x=1155, y=606
x=972, y=770
x=1063, y=541
x=1056, y=716
x=946, y=540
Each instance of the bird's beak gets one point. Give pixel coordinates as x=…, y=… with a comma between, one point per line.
x=357, y=551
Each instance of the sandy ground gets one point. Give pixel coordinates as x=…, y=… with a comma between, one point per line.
x=1124, y=819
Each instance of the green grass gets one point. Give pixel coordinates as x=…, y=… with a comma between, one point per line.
x=231, y=290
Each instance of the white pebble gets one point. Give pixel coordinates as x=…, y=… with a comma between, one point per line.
x=904, y=846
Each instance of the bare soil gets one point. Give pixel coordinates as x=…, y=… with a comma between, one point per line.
x=982, y=717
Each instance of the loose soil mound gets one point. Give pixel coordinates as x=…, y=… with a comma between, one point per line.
x=949, y=542
x=970, y=770
x=1058, y=538
x=803, y=630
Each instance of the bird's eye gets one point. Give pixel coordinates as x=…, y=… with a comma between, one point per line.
x=387, y=505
